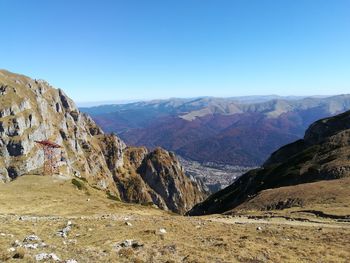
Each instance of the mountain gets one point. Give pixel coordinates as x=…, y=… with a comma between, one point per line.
x=290, y=177
x=32, y=110
x=241, y=131
x=75, y=215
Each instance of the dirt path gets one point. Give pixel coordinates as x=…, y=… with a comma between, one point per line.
x=278, y=221
x=239, y=220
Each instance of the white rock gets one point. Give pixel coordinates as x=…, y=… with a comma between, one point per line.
x=31, y=238
x=17, y=243
x=11, y=249
x=71, y=261
x=30, y=246
x=259, y=228
x=64, y=232
x=162, y=231
x=54, y=257
x=128, y=224
x=127, y=243
x=46, y=256
x=41, y=256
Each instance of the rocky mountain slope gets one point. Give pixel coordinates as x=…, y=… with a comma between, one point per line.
x=323, y=154
x=32, y=110
x=236, y=131
x=156, y=177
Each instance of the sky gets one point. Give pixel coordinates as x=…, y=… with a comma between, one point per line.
x=149, y=49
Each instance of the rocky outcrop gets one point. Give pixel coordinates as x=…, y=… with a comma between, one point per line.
x=323, y=154
x=32, y=110
x=157, y=177
x=162, y=171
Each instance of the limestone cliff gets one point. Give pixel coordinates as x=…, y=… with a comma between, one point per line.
x=32, y=110
x=162, y=171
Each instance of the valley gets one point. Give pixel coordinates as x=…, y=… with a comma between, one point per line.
x=218, y=139
x=234, y=131
x=214, y=176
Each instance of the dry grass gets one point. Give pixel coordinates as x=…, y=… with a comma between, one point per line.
x=331, y=197
x=99, y=224
x=57, y=196
x=92, y=240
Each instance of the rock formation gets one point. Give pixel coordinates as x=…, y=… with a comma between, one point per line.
x=32, y=110
x=163, y=173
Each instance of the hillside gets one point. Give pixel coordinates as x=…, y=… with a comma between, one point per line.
x=304, y=198
x=32, y=110
x=240, y=131
x=36, y=210
x=323, y=154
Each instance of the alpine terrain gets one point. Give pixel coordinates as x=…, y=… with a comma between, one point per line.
x=102, y=204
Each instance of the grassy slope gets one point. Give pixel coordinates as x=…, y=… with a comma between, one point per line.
x=99, y=224
x=330, y=197
x=45, y=195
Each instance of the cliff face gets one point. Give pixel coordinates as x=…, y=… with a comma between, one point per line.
x=323, y=154
x=32, y=110
x=162, y=171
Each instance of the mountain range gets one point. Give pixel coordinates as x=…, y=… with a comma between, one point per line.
x=240, y=131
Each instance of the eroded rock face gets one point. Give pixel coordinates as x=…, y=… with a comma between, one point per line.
x=157, y=177
x=32, y=110
x=162, y=171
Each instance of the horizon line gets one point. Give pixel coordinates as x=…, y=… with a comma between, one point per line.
x=129, y=101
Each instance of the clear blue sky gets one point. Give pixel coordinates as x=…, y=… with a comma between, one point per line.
x=144, y=49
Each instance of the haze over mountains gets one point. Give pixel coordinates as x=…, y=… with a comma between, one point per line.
x=241, y=131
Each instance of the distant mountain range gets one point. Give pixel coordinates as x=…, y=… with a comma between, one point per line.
x=238, y=131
